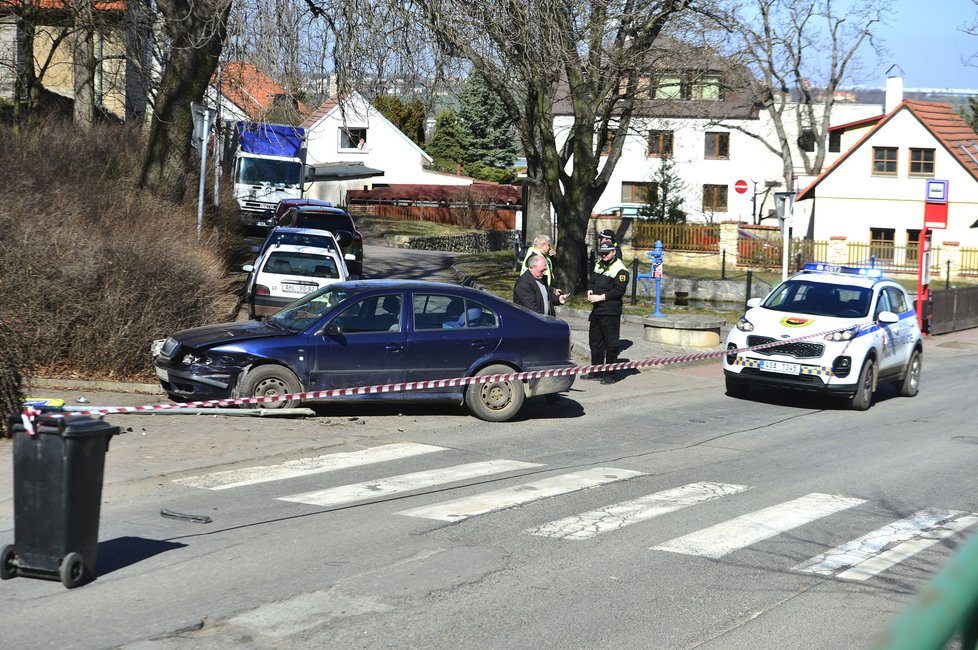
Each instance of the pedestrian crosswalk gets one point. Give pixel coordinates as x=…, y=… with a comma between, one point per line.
x=858, y=559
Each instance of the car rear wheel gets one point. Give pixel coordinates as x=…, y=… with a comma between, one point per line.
x=495, y=401
x=863, y=396
x=271, y=381
x=911, y=379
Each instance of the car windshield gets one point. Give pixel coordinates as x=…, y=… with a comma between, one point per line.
x=304, y=264
x=322, y=221
x=255, y=171
x=304, y=312
x=820, y=299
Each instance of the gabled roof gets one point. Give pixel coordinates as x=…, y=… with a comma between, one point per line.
x=947, y=127
x=332, y=105
x=866, y=121
x=250, y=89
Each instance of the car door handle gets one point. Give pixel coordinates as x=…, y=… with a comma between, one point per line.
x=394, y=347
x=478, y=344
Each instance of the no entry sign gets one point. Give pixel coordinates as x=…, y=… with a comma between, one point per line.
x=740, y=186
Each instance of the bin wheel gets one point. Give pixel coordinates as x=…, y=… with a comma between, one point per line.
x=73, y=571
x=7, y=568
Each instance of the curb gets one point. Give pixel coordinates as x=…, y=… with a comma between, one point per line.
x=84, y=384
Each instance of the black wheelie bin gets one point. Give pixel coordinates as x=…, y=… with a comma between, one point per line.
x=57, y=496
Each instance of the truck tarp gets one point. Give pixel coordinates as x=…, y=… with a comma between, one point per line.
x=270, y=139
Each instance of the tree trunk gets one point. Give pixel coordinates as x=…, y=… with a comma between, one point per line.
x=25, y=91
x=197, y=31
x=83, y=69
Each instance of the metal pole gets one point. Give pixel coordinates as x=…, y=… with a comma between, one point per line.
x=217, y=143
x=750, y=279
x=203, y=173
x=723, y=264
x=634, y=278
x=947, y=276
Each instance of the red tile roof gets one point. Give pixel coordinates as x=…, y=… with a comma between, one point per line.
x=250, y=89
x=100, y=5
x=318, y=114
x=947, y=127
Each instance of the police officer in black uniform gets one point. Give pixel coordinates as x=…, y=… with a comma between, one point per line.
x=609, y=281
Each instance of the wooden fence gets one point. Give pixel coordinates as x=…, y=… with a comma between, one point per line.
x=677, y=237
x=969, y=260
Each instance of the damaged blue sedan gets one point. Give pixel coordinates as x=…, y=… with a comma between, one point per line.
x=368, y=333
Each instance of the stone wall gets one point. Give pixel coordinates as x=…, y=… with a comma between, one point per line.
x=479, y=242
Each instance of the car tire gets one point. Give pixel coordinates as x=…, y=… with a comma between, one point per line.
x=269, y=381
x=737, y=388
x=911, y=378
x=863, y=397
x=495, y=401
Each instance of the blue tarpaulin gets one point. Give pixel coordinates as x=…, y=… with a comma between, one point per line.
x=270, y=139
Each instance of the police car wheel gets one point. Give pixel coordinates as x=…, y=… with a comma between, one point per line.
x=911, y=379
x=737, y=388
x=863, y=396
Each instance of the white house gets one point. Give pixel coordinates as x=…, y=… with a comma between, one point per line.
x=875, y=190
x=351, y=130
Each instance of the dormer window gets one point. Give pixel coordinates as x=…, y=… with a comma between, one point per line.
x=703, y=87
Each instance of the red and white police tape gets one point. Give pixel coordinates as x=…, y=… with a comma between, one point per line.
x=30, y=413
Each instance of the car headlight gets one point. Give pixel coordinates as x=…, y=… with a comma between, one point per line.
x=844, y=335
x=745, y=325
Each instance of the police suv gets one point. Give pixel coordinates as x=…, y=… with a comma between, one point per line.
x=828, y=328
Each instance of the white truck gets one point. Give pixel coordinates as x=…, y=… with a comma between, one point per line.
x=269, y=165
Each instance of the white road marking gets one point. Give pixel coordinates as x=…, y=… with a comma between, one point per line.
x=306, y=466
x=619, y=515
x=879, y=550
x=721, y=539
x=459, y=509
x=406, y=482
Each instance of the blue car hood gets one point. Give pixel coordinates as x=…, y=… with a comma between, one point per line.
x=209, y=336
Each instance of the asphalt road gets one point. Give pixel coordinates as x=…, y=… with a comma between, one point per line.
x=653, y=513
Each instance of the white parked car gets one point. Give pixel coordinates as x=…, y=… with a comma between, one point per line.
x=633, y=210
x=868, y=334
x=283, y=273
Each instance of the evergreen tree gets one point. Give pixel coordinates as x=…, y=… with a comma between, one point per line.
x=408, y=117
x=448, y=143
x=970, y=113
x=490, y=130
x=667, y=195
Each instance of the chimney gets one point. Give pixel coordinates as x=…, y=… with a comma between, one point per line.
x=894, y=89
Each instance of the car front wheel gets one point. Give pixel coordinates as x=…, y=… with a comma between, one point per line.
x=863, y=396
x=271, y=381
x=495, y=401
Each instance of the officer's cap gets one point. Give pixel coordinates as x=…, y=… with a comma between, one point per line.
x=606, y=248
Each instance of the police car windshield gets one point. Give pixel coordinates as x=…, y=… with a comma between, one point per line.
x=820, y=299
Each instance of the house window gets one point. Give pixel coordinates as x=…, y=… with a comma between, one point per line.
x=638, y=192
x=669, y=87
x=913, y=245
x=609, y=137
x=717, y=146
x=714, y=198
x=352, y=138
x=835, y=141
x=884, y=161
x=921, y=162
x=881, y=243
x=660, y=144
x=707, y=87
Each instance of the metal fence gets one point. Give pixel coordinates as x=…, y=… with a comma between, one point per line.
x=767, y=252
x=969, y=260
x=886, y=256
x=677, y=237
x=953, y=310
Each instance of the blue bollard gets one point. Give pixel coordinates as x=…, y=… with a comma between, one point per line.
x=656, y=255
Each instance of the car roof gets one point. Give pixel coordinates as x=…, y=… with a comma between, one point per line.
x=297, y=248
x=320, y=209
x=302, y=231
x=841, y=279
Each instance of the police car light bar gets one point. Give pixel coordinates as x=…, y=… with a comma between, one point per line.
x=819, y=267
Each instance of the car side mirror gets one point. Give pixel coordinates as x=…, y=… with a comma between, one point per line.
x=344, y=237
x=331, y=329
x=753, y=302
x=351, y=257
x=248, y=268
x=887, y=317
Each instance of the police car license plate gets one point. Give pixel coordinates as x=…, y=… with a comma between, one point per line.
x=297, y=288
x=782, y=367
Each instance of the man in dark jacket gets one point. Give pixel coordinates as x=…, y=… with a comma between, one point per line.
x=609, y=281
x=531, y=290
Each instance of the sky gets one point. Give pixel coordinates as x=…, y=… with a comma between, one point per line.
x=924, y=39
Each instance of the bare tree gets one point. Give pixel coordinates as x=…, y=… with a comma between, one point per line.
x=800, y=52
x=195, y=31
x=545, y=60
